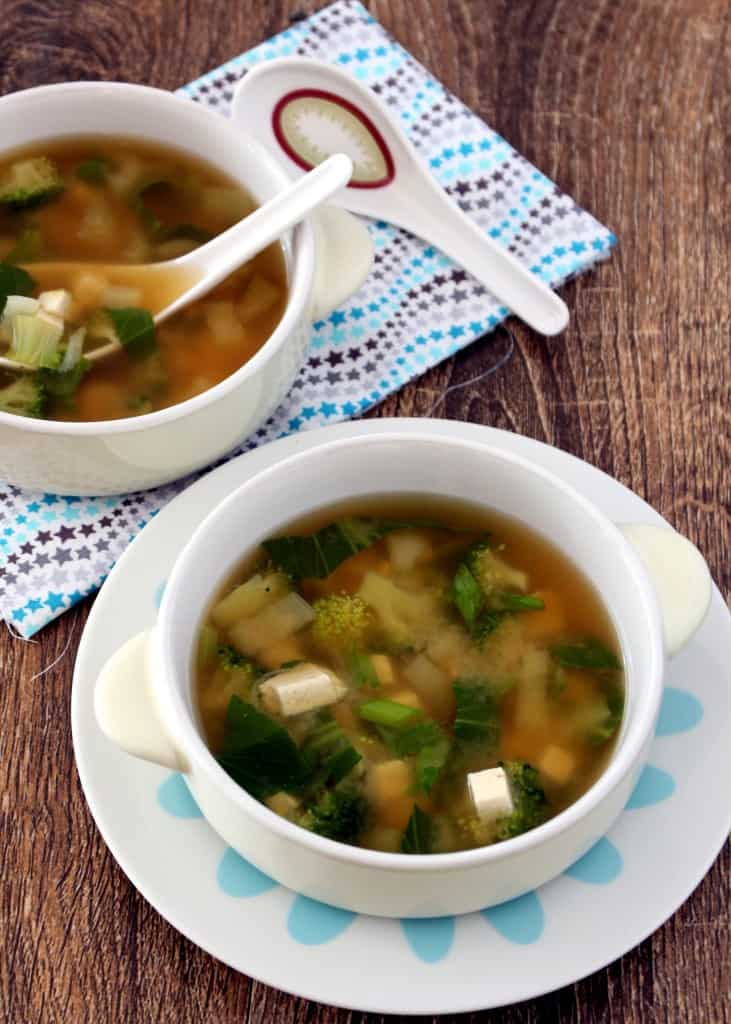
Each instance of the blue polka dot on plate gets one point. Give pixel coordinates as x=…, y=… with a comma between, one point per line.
x=653, y=786
x=679, y=712
x=313, y=923
x=520, y=920
x=430, y=938
x=239, y=878
x=174, y=797
x=599, y=865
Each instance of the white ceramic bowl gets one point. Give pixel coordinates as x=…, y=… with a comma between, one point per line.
x=655, y=586
x=327, y=259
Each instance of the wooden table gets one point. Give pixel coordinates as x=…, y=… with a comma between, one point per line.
x=625, y=104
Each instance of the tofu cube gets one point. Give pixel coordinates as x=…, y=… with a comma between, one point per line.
x=557, y=764
x=56, y=302
x=490, y=794
x=303, y=688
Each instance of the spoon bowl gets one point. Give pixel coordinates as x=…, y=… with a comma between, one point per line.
x=303, y=110
x=170, y=286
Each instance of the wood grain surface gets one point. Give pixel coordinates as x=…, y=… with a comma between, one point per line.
x=626, y=104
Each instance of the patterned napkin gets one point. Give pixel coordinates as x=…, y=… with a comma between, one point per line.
x=415, y=309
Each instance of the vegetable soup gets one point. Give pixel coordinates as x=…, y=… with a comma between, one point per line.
x=97, y=202
x=410, y=675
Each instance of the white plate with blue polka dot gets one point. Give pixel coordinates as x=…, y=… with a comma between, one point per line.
x=617, y=894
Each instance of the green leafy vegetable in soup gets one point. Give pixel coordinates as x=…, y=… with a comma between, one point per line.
x=414, y=676
x=78, y=218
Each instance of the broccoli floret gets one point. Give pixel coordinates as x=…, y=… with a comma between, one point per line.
x=531, y=807
x=485, y=625
x=64, y=384
x=23, y=397
x=230, y=659
x=475, y=557
x=36, y=340
x=340, y=814
x=341, y=621
x=31, y=181
x=491, y=572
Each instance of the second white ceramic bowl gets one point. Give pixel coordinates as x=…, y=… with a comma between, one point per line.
x=655, y=586
x=328, y=257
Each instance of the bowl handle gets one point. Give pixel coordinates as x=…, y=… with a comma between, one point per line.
x=125, y=705
x=680, y=576
x=344, y=257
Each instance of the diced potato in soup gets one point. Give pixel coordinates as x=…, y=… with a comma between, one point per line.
x=410, y=675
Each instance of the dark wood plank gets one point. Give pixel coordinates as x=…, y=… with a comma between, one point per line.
x=625, y=105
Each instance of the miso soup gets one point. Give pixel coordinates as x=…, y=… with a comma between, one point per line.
x=409, y=675
x=102, y=201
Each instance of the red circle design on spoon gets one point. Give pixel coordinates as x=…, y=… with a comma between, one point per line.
x=368, y=129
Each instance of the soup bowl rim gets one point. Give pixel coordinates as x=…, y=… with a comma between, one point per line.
x=187, y=734
x=299, y=283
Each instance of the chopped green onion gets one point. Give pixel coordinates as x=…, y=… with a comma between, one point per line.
x=388, y=713
x=341, y=764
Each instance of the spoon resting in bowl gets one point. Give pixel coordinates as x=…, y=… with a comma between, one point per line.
x=177, y=283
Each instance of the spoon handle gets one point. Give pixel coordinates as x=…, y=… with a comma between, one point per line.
x=433, y=216
x=230, y=250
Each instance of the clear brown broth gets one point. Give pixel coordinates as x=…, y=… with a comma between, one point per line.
x=573, y=610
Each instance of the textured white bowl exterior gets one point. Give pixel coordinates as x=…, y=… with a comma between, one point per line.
x=394, y=884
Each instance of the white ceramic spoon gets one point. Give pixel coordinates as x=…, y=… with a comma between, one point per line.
x=199, y=271
x=307, y=110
